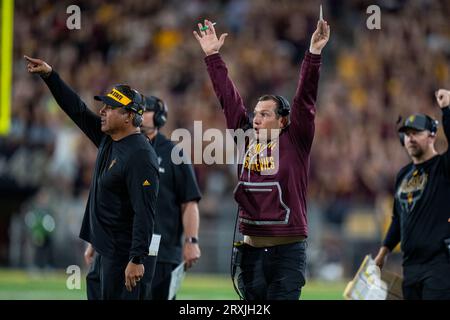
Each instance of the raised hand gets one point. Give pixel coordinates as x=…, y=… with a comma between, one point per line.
x=38, y=66
x=320, y=37
x=208, y=39
x=443, y=98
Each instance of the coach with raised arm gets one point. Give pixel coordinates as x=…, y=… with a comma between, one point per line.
x=120, y=213
x=421, y=213
x=271, y=192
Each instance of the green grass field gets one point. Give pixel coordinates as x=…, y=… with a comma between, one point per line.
x=15, y=284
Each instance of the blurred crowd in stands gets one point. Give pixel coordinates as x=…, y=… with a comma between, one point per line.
x=368, y=79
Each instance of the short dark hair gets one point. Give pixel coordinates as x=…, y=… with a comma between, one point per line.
x=271, y=97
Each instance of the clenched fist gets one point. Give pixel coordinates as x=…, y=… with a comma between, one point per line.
x=443, y=98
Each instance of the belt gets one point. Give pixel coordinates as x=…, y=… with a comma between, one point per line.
x=261, y=242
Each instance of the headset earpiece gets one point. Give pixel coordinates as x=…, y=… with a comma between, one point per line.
x=433, y=126
x=285, y=108
x=159, y=108
x=160, y=117
x=137, y=108
x=137, y=120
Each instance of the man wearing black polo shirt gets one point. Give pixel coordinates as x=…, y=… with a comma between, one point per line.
x=178, y=218
x=421, y=215
x=120, y=212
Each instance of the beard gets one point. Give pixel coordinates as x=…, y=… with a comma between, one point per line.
x=416, y=151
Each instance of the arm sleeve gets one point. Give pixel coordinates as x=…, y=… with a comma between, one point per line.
x=143, y=184
x=75, y=108
x=304, y=105
x=393, y=235
x=446, y=126
x=229, y=98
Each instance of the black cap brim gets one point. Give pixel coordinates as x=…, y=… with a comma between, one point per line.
x=404, y=128
x=109, y=101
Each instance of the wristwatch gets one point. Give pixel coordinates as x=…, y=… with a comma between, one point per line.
x=137, y=259
x=191, y=240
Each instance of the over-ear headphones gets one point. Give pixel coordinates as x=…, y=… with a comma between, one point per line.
x=434, y=126
x=137, y=107
x=284, y=108
x=159, y=108
x=137, y=120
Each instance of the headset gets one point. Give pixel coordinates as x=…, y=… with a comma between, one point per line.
x=284, y=108
x=160, y=109
x=434, y=125
x=136, y=105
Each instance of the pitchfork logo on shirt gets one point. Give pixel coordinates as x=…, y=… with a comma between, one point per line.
x=258, y=158
x=112, y=164
x=411, y=189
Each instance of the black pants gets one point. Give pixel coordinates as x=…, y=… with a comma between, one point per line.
x=106, y=280
x=161, y=280
x=273, y=273
x=427, y=281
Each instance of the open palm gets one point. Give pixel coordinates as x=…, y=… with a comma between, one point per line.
x=208, y=39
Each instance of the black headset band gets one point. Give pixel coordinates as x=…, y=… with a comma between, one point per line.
x=284, y=108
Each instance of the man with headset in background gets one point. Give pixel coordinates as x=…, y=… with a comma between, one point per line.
x=120, y=213
x=177, y=219
x=271, y=192
x=178, y=216
x=421, y=213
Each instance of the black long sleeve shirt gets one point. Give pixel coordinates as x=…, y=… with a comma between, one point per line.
x=281, y=211
x=421, y=212
x=120, y=213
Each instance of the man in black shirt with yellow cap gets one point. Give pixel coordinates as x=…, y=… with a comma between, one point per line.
x=178, y=219
x=120, y=213
x=421, y=215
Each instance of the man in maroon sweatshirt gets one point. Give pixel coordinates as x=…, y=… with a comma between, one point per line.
x=273, y=176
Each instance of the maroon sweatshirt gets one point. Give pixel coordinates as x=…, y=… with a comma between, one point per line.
x=272, y=204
